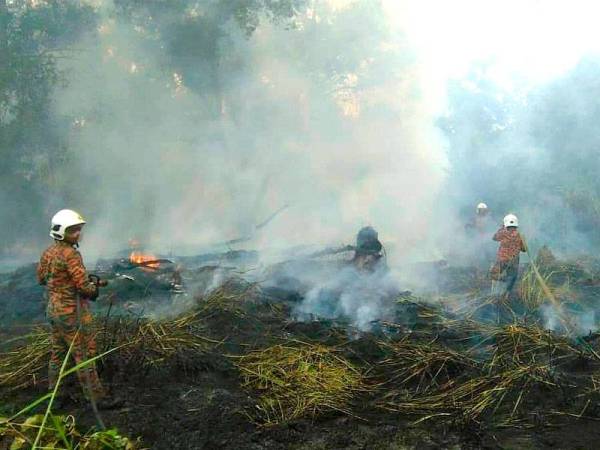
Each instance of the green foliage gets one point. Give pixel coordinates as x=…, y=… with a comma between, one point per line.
x=247, y=14
x=35, y=432
x=189, y=35
x=63, y=434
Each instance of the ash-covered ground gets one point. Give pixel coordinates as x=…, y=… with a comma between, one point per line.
x=220, y=351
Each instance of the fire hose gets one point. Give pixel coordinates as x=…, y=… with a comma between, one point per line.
x=567, y=323
x=98, y=282
x=547, y=291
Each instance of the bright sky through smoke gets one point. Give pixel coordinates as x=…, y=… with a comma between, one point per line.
x=533, y=40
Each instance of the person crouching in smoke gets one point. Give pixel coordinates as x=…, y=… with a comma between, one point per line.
x=69, y=287
x=368, y=253
x=505, y=271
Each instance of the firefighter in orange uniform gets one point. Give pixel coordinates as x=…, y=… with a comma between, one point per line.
x=61, y=269
x=506, y=270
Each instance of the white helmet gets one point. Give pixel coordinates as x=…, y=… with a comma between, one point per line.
x=511, y=221
x=62, y=220
x=482, y=206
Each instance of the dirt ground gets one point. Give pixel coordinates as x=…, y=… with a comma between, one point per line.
x=205, y=411
x=176, y=407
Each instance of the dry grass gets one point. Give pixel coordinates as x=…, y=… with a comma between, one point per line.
x=424, y=366
x=231, y=297
x=474, y=399
x=482, y=373
x=519, y=345
x=148, y=344
x=434, y=381
x=143, y=343
x=20, y=365
x=298, y=380
x=531, y=292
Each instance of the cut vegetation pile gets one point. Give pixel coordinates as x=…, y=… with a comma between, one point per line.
x=299, y=380
x=502, y=381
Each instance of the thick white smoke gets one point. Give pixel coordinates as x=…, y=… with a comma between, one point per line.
x=156, y=164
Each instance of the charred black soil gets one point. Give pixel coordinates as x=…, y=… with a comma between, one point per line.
x=434, y=377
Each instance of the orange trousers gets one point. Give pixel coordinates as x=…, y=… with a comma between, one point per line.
x=64, y=331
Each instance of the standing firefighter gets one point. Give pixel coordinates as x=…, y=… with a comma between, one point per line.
x=61, y=269
x=481, y=222
x=482, y=218
x=506, y=268
x=480, y=251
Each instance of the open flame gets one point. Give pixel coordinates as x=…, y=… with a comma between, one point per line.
x=145, y=259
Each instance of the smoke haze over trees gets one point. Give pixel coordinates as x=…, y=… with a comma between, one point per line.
x=191, y=122
x=188, y=123
x=534, y=152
